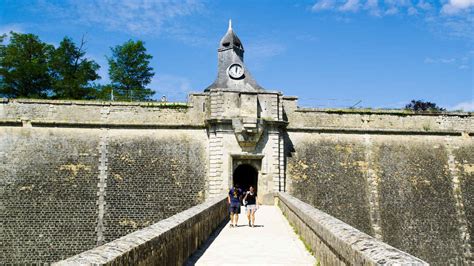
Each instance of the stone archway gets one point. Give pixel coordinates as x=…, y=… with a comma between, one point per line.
x=245, y=175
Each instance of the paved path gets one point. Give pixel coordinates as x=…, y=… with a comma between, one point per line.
x=271, y=242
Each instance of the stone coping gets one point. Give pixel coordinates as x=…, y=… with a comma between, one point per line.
x=245, y=92
x=97, y=103
x=145, y=245
x=347, y=244
x=398, y=112
x=112, y=125
x=381, y=131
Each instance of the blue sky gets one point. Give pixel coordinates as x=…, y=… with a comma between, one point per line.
x=329, y=53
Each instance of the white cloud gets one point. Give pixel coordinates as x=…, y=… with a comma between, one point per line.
x=391, y=11
x=136, y=17
x=430, y=60
x=391, y=7
x=450, y=18
x=373, y=7
x=456, y=6
x=462, y=62
x=323, y=5
x=412, y=11
x=465, y=106
x=424, y=5
x=350, y=5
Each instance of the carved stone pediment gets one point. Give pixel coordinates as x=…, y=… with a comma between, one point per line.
x=248, y=131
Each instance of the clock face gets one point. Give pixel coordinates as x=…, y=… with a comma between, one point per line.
x=235, y=71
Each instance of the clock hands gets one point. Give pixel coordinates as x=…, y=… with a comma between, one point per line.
x=235, y=71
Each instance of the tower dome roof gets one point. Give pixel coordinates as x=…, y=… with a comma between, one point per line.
x=231, y=53
x=230, y=39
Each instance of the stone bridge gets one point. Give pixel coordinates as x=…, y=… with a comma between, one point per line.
x=142, y=182
x=199, y=236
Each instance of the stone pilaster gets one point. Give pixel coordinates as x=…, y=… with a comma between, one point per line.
x=215, y=163
x=460, y=210
x=102, y=182
x=373, y=180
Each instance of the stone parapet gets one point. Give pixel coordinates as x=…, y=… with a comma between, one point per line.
x=62, y=113
x=334, y=242
x=373, y=121
x=168, y=242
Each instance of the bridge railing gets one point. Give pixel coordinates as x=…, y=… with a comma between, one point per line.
x=334, y=242
x=168, y=242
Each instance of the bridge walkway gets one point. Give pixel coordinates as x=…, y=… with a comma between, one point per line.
x=271, y=242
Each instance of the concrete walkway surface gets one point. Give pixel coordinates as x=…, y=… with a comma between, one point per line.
x=271, y=242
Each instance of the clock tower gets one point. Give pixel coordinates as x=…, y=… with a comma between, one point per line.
x=232, y=73
x=245, y=125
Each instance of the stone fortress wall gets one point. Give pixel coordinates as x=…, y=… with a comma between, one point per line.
x=405, y=179
x=74, y=175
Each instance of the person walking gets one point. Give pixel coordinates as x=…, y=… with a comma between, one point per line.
x=251, y=205
x=233, y=199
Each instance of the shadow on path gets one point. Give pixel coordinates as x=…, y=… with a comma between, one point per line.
x=204, y=246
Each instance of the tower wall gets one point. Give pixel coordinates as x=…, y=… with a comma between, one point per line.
x=232, y=115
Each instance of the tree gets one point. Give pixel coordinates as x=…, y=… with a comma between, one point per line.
x=104, y=92
x=130, y=72
x=72, y=73
x=2, y=46
x=419, y=105
x=24, y=68
x=2, y=51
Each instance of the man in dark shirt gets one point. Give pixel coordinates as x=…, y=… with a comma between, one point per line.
x=235, y=194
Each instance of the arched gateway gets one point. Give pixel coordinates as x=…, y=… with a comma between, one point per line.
x=245, y=176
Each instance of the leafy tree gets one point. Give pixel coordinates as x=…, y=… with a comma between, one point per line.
x=24, y=68
x=130, y=72
x=2, y=46
x=72, y=73
x=104, y=92
x=419, y=105
x=2, y=51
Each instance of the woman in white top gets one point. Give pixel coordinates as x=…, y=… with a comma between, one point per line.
x=252, y=205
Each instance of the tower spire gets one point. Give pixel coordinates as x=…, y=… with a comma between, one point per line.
x=231, y=53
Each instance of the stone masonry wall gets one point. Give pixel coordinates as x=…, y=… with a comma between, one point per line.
x=48, y=193
x=324, y=169
x=412, y=192
x=400, y=176
x=169, y=242
x=52, y=179
x=152, y=175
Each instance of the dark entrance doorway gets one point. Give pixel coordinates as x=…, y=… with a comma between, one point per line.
x=245, y=176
